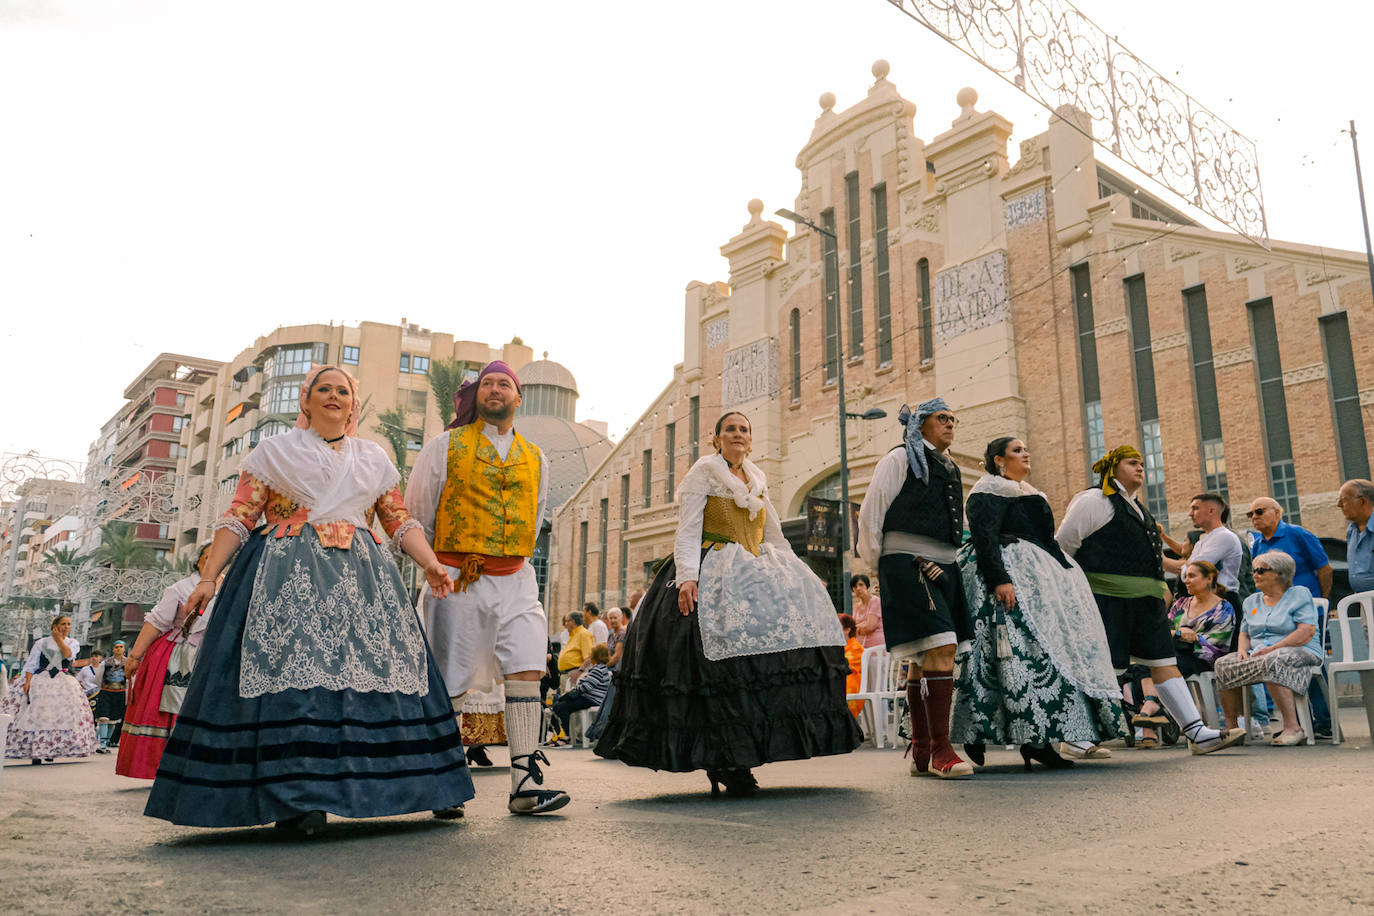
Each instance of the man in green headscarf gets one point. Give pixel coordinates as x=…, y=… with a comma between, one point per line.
x=1111, y=534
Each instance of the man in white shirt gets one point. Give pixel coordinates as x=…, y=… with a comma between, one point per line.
x=1218, y=545
x=600, y=632
x=480, y=490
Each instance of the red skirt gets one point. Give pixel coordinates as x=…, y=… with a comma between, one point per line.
x=145, y=727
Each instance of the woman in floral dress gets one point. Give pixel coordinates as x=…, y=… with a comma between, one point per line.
x=1039, y=670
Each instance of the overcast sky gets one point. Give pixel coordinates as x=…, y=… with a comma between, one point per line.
x=185, y=176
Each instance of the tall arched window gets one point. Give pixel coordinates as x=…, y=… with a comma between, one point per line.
x=794, y=322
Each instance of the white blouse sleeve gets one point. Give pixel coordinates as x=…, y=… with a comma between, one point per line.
x=163, y=614
x=888, y=477
x=543, y=491
x=426, y=483
x=1087, y=512
x=687, y=545
x=35, y=658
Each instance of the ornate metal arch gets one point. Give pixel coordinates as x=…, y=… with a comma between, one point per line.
x=1058, y=56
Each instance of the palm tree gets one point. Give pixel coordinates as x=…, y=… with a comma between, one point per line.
x=120, y=548
x=445, y=378
x=64, y=556
x=391, y=424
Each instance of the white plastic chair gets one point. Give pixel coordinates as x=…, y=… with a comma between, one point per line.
x=1301, y=701
x=1347, y=661
x=879, y=696
x=1205, y=688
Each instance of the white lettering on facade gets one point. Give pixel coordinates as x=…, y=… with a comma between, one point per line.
x=971, y=296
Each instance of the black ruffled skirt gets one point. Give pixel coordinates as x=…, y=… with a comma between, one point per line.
x=676, y=710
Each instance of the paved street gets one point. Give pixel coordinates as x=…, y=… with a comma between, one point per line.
x=1259, y=829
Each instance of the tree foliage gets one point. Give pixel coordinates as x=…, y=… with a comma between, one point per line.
x=391, y=423
x=120, y=548
x=445, y=378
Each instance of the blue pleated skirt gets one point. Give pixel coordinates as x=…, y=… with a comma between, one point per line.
x=233, y=761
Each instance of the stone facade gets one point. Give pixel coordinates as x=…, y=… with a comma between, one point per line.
x=981, y=256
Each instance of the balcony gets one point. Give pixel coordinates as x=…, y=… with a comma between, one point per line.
x=200, y=427
x=199, y=456
x=252, y=389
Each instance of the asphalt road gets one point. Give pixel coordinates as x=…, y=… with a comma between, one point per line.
x=1256, y=829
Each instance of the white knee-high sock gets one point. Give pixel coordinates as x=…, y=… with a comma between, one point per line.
x=1176, y=698
x=522, y=723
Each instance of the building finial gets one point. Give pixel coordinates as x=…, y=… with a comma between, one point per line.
x=967, y=98
x=827, y=101
x=755, y=211
x=881, y=69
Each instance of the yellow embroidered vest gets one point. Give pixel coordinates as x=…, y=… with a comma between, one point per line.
x=488, y=506
x=725, y=520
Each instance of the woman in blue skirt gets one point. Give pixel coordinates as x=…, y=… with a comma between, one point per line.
x=315, y=691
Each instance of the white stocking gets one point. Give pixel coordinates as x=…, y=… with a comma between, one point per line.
x=523, y=714
x=1175, y=696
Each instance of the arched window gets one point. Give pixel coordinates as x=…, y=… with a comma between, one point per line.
x=794, y=323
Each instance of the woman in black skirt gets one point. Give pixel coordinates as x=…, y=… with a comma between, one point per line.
x=735, y=658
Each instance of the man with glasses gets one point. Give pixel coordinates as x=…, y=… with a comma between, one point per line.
x=1356, y=502
x=1313, y=572
x=910, y=524
x=1273, y=533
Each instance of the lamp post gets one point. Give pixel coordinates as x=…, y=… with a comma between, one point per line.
x=873, y=414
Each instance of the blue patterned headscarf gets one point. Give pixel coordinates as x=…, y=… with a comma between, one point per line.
x=912, y=420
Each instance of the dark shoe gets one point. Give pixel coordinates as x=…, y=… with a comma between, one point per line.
x=976, y=753
x=1321, y=734
x=1045, y=756
x=534, y=801
x=477, y=754
x=451, y=813
x=738, y=783
x=1150, y=718
x=38, y=762
x=302, y=825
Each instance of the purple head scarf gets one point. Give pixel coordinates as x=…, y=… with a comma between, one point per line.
x=465, y=401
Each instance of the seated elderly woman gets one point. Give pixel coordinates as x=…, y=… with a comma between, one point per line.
x=1278, y=645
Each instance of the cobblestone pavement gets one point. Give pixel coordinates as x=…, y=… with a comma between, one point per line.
x=1257, y=829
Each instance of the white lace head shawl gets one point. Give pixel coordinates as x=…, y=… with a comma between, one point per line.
x=332, y=485
x=711, y=476
x=1004, y=487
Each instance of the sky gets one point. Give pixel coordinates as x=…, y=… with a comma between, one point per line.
x=185, y=176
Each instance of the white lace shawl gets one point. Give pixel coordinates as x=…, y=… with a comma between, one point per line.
x=711, y=476
x=1001, y=486
x=332, y=485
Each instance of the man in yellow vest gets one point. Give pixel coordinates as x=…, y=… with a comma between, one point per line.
x=481, y=489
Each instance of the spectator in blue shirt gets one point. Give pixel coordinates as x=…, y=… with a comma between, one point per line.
x=1313, y=567
x=1356, y=502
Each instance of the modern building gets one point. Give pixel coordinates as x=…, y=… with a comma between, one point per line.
x=1041, y=293
x=256, y=395
x=39, y=506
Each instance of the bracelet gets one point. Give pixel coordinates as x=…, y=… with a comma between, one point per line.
x=204, y=579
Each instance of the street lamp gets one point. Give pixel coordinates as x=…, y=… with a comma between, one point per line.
x=872, y=414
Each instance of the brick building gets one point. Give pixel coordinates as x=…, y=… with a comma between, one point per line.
x=1045, y=297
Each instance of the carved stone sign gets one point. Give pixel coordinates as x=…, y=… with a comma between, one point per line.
x=750, y=372
x=971, y=296
x=717, y=332
x=1026, y=209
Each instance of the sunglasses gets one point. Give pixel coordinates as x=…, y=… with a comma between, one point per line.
x=1260, y=569
x=1254, y=512
x=948, y=419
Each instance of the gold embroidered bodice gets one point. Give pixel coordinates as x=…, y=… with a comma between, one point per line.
x=724, y=522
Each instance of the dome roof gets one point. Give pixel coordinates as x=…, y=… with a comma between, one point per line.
x=547, y=372
x=573, y=450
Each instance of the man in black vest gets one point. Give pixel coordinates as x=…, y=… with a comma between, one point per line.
x=910, y=524
x=1115, y=539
